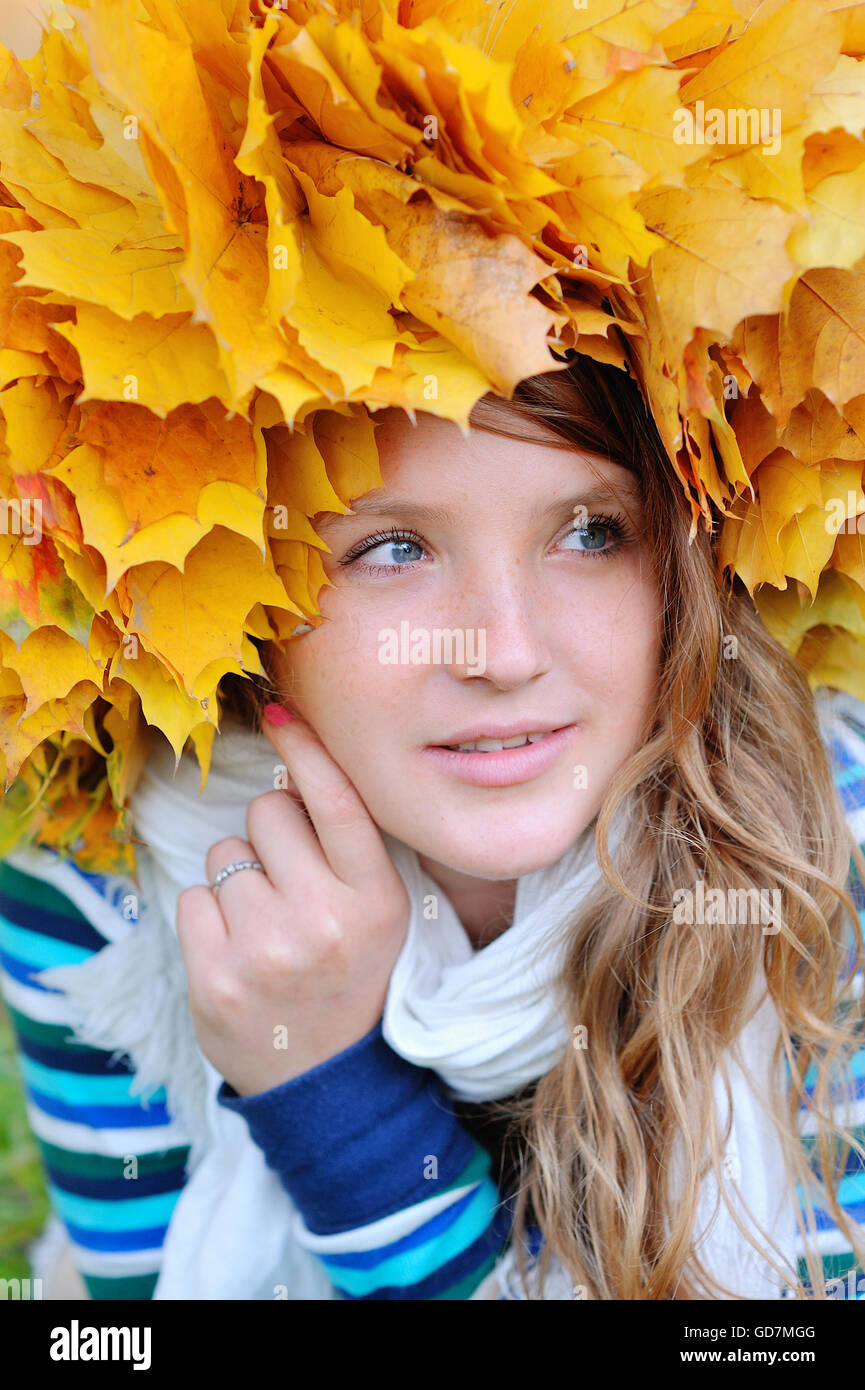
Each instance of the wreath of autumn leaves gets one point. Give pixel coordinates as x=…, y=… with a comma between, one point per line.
x=229, y=232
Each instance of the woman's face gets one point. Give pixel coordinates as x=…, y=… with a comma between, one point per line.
x=477, y=597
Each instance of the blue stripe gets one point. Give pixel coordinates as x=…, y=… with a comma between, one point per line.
x=850, y=766
x=846, y=1094
x=102, y=1116
x=108, y=1189
x=854, y=1165
x=851, y=1191
x=853, y=1072
x=823, y=1221
x=75, y=1089
x=850, y=773
x=72, y=1056
x=850, y=1195
x=72, y=929
x=111, y=889
x=437, y=1225
x=23, y=973
x=533, y=1240
x=852, y=795
x=94, y=1215
x=149, y=1238
x=415, y=1266
x=40, y=951
x=490, y=1242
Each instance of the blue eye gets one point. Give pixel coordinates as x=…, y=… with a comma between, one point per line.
x=399, y=550
x=404, y=550
x=593, y=536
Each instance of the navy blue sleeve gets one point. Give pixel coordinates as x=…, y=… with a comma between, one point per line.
x=351, y=1139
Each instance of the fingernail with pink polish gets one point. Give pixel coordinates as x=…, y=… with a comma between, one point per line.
x=277, y=714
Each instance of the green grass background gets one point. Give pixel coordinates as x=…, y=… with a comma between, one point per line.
x=23, y=1199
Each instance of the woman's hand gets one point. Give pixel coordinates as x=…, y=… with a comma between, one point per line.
x=288, y=967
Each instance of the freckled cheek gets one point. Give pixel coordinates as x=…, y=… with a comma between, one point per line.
x=624, y=661
x=615, y=642
x=638, y=662
x=344, y=691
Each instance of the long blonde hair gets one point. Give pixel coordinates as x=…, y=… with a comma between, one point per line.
x=732, y=786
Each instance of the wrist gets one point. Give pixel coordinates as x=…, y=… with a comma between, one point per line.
x=259, y=1081
x=366, y=1111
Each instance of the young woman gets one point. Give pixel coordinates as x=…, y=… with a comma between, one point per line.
x=578, y=1013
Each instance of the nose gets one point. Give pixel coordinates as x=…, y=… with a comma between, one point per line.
x=505, y=636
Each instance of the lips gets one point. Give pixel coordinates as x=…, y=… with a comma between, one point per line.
x=497, y=765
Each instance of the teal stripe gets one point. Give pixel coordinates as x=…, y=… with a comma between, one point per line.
x=128, y=1214
x=466, y=1287
x=34, y=892
x=36, y=950
x=77, y=1088
x=855, y=1068
x=123, y=1286
x=478, y=1167
x=851, y=1190
x=137, y=1287
x=414, y=1265
x=95, y=1165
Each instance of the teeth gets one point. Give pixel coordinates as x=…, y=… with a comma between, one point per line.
x=495, y=745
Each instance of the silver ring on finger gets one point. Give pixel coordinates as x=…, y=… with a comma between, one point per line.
x=235, y=869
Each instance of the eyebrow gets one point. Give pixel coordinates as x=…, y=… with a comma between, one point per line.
x=380, y=505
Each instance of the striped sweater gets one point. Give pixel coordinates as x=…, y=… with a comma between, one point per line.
x=395, y=1193
x=397, y=1196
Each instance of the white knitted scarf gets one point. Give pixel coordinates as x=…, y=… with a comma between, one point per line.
x=488, y=1022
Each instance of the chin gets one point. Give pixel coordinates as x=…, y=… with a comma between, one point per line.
x=521, y=850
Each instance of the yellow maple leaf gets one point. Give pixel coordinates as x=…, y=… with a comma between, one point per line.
x=721, y=261
x=161, y=363
x=231, y=233
x=819, y=342
x=191, y=619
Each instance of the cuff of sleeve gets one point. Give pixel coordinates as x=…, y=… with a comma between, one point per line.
x=352, y=1138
